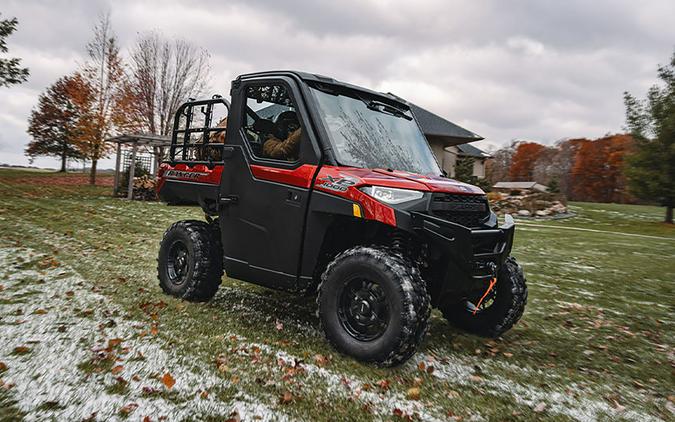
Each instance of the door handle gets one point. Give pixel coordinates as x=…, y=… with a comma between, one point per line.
x=293, y=196
x=228, y=152
x=228, y=200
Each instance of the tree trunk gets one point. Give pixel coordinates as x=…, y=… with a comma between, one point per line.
x=92, y=174
x=669, y=214
x=64, y=158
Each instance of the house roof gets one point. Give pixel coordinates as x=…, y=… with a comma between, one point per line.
x=469, y=150
x=434, y=125
x=520, y=185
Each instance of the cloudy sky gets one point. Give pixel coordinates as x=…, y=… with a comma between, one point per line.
x=539, y=70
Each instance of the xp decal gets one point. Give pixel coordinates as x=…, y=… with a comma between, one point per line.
x=338, y=184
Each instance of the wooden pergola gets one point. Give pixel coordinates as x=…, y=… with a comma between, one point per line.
x=155, y=144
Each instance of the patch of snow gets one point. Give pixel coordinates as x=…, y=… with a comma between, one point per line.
x=47, y=383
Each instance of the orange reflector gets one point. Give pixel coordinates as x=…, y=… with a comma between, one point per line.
x=357, y=210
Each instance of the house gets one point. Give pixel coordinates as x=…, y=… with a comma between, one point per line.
x=524, y=187
x=450, y=142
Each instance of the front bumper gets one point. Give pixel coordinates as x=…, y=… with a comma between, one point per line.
x=474, y=256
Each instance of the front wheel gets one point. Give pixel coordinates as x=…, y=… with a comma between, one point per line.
x=500, y=310
x=373, y=305
x=189, y=265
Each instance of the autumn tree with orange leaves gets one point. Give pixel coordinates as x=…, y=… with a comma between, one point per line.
x=523, y=161
x=53, y=124
x=598, y=171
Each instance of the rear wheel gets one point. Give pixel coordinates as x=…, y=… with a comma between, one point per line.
x=373, y=305
x=189, y=265
x=499, y=310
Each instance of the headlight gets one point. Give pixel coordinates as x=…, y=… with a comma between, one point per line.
x=392, y=195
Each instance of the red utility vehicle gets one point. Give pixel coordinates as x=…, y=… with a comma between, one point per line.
x=320, y=187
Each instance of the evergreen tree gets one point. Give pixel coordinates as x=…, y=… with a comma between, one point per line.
x=651, y=169
x=11, y=71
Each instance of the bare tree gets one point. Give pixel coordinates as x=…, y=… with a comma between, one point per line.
x=102, y=78
x=498, y=166
x=164, y=74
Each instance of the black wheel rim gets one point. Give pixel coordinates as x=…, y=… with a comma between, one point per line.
x=178, y=263
x=363, y=310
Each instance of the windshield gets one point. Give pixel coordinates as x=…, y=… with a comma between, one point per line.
x=367, y=133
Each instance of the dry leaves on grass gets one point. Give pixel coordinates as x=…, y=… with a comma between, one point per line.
x=3, y=366
x=383, y=384
x=126, y=410
x=168, y=381
x=117, y=369
x=401, y=414
x=40, y=311
x=279, y=325
x=286, y=398
x=413, y=393
x=21, y=350
x=234, y=417
x=321, y=360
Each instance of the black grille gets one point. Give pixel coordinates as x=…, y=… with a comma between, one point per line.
x=467, y=210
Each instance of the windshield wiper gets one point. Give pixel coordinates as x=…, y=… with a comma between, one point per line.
x=387, y=109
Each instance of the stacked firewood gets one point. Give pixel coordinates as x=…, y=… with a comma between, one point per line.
x=144, y=188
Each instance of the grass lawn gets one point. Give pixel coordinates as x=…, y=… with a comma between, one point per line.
x=87, y=332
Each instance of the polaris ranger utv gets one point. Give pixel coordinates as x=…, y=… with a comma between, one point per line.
x=312, y=185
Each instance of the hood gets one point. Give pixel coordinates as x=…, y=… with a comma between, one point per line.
x=406, y=180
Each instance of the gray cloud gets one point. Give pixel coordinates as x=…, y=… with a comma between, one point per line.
x=540, y=70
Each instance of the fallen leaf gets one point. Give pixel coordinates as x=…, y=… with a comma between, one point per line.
x=286, y=398
x=321, y=360
x=3, y=366
x=452, y=394
x=136, y=378
x=221, y=359
x=40, y=311
x=421, y=366
x=114, y=342
x=234, y=417
x=507, y=354
x=128, y=409
x=149, y=390
x=279, y=325
x=413, y=393
x=117, y=369
x=383, y=384
x=540, y=407
x=154, y=330
x=21, y=350
x=147, y=419
x=168, y=381
x=204, y=394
